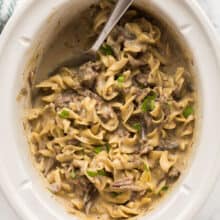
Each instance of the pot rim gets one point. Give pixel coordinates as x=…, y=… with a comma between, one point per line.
x=5, y=184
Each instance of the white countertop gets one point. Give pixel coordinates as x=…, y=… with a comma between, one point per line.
x=211, y=209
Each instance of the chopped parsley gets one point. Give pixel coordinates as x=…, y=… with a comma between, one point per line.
x=146, y=168
x=150, y=190
x=106, y=50
x=188, y=111
x=137, y=127
x=121, y=79
x=164, y=188
x=97, y=173
x=92, y=173
x=148, y=104
x=115, y=194
x=101, y=173
x=101, y=148
x=64, y=114
x=98, y=149
x=107, y=147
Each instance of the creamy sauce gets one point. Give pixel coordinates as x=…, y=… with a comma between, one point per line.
x=158, y=170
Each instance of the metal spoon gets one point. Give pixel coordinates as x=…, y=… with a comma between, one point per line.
x=81, y=58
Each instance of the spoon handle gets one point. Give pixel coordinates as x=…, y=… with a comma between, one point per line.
x=119, y=10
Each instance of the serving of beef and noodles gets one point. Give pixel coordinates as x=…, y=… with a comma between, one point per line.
x=112, y=136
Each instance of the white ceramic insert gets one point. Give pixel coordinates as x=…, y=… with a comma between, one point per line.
x=27, y=34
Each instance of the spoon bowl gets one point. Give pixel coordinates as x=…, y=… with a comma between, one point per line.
x=79, y=59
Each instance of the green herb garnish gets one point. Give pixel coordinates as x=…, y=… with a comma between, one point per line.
x=64, y=113
x=73, y=174
x=146, y=168
x=152, y=95
x=101, y=173
x=96, y=173
x=188, y=111
x=164, y=188
x=107, y=147
x=92, y=173
x=149, y=103
x=98, y=149
x=150, y=190
x=137, y=127
x=115, y=194
x=121, y=79
x=106, y=50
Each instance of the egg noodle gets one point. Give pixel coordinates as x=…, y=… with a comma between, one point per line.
x=108, y=136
